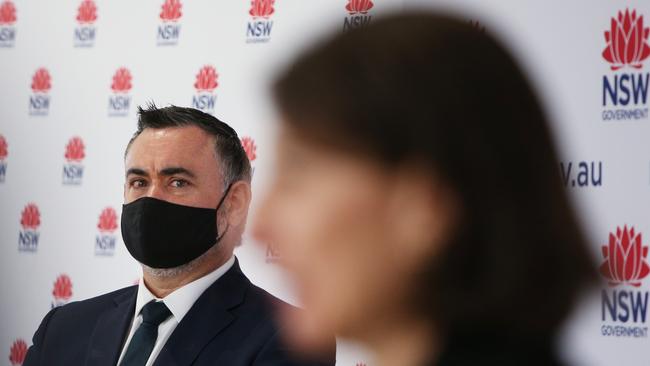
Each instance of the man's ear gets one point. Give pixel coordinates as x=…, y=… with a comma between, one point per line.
x=237, y=203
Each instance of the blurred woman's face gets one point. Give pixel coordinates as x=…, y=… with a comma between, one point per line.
x=351, y=233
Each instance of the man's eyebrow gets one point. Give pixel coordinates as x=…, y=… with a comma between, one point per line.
x=137, y=171
x=176, y=171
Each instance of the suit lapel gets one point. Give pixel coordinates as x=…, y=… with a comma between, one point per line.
x=209, y=315
x=110, y=331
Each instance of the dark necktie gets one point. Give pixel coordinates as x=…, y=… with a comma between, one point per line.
x=144, y=338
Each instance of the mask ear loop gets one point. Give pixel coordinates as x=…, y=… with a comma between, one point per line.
x=219, y=237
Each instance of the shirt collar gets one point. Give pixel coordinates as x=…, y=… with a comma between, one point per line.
x=182, y=299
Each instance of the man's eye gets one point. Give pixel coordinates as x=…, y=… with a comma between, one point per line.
x=138, y=183
x=179, y=183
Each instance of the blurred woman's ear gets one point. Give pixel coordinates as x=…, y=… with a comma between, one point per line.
x=423, y=213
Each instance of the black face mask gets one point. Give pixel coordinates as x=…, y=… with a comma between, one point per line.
x=162, y=234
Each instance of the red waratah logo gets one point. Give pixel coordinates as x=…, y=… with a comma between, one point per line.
x=31, y=217
x=87, y=13
x=359, y=6
x=3, y=148
x=74, y=150
x=18, y=352
x=625, y=258
x=41, y=81
x=171, y=11
x=262, y=8
x=250, y=147
x=62, y=288
x=7, y=13
x=206, y=79
x=627, y=41
x=121, y=81
x=107, y=220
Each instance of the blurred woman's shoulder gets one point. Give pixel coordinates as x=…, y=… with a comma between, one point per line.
x=497, y=350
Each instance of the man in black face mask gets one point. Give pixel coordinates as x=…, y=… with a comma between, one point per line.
x=186, y=194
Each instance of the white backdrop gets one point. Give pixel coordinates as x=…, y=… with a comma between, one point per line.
x=73, y=73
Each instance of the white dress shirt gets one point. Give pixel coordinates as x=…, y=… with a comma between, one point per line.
x=179, y=303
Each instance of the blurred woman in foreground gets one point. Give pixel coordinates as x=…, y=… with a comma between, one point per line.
x=417, y=201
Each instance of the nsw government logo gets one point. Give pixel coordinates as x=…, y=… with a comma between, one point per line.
x=119, y=102
x=169, y=30
x=358, y=14
x=259, y=27
x=7, y=20
x=85, y=32
x=4, y=151
x=62, y=291
x=625, y=88
x=39, y=101
x=625, y=304
x=206, y=82
x=105, y=239
x=30, y=220
x=73, y=170
x=272, y=253
x=18, y=352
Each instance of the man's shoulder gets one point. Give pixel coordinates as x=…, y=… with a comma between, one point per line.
x=240, y=296
x=266, y=310
x=266, y=299
x=236, y=285
x=97, y=303
x=74, y=322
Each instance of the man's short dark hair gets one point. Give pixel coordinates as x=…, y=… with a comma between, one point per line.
x=228, y=146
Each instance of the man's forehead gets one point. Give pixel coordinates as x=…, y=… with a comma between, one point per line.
x=185, y=138
x=185, y=146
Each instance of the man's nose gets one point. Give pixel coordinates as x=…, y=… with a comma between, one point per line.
x=156, y=191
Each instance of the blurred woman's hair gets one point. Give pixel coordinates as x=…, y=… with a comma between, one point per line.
x=444, y=95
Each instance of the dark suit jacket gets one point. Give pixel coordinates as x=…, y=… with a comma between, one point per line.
x=230, y=324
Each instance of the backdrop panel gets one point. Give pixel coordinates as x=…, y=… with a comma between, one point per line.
x=74, y=73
